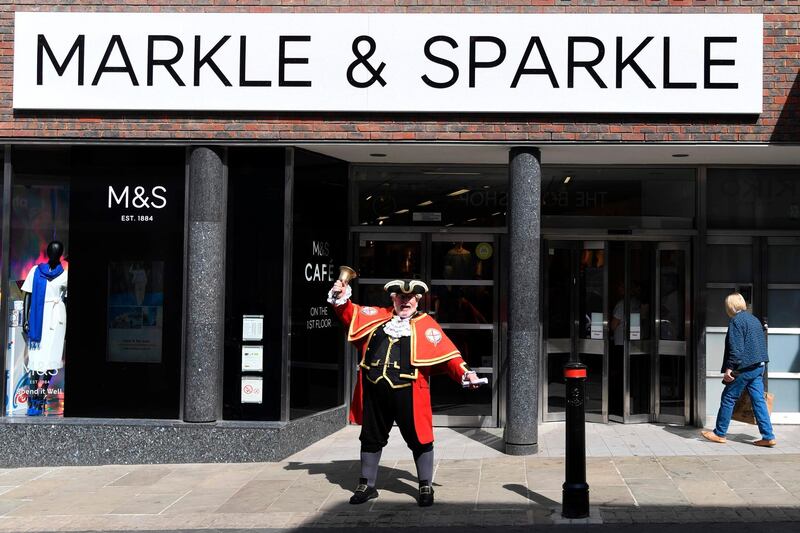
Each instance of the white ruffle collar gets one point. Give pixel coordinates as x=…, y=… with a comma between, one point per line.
x=398, y=327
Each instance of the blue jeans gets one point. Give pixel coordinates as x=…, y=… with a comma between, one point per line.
x=753, y=381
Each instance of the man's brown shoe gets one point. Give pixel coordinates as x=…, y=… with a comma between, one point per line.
x=765, y=443
x=713, y=437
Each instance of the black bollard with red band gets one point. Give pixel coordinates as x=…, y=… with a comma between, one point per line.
x=575, y=493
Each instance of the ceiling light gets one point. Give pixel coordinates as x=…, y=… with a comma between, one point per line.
x=380, y=222
x=383, y=218
x=459, y=192
x=423, y=204
x=471, y=219
x=680, y=155
x=368, y=198
x=401, y=212
x=567, y=179
x=377, y=155
x=498, y=213
x=448, y=225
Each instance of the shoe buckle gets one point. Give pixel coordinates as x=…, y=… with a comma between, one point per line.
x=361, y=488
x=426, y=489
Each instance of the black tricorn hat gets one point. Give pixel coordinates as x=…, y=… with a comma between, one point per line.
x=406, y=286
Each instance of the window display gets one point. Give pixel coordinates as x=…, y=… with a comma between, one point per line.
x=37, y=290
x=44, y=325
x=119, y=214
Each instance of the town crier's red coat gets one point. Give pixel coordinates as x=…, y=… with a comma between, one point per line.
x=431, y=350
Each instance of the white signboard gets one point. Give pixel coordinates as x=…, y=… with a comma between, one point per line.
x=566, y=63
x=252, y=358
x=596, y=331
x=252, y=389
x=425, y=216
x=636, y=326
x=252, y=327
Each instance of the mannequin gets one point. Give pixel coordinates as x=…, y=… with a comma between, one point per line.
x=44, y=324
x=458, y=262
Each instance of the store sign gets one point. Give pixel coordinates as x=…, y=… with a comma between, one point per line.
x=137, y=197
x=567, y=63
x=135, y=203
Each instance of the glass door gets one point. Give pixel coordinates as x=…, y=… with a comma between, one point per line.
x=461, y=271
x=464, y=299
x=576, y=323
x=672, y=312
x=382, y=257
x=630, y=372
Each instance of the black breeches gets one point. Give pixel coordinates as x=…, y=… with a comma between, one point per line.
x=384, y=406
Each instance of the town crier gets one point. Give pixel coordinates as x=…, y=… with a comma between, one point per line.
x=400, y=347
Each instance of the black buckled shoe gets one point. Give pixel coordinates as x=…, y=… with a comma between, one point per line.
x=425, y=495
x=363, y=492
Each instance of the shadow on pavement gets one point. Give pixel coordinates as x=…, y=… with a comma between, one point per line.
x=482, y=436
x=345, y=474
x=693, y=433
x=535, y=497
x=685, y=432
x=775, y=527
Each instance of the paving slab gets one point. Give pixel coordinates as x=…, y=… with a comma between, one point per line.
x=647, y=473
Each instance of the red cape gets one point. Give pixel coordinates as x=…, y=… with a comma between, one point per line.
x=429, y=347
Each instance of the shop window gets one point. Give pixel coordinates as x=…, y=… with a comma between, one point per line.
x=95, y=282
x=319, y=245
x=729, y=263
x=629, y=198
x=784, y=263
x=431, y=196
x=253, y=373
x=783, y=308
x=753, y=198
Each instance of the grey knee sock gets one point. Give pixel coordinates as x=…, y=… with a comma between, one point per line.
x=425, y=467
x=369, y=466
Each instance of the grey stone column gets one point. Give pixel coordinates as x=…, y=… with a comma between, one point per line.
x=522, y=407
x=205, y=285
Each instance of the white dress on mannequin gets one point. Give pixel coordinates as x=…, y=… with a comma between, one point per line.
x=54, y=323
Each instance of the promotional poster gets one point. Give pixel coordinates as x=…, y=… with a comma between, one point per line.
x=135, y=311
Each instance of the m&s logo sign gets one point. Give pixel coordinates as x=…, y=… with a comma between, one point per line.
x=137, y=197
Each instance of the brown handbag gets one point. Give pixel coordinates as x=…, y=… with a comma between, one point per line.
x=743, y=410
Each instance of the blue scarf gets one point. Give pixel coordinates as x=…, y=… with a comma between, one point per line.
x=41, y=277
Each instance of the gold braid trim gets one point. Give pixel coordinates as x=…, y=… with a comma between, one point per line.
x=428, y=362
x=363, y=363
x=431, y=362
x=369, y=327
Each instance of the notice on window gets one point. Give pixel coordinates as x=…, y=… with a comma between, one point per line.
x=597, y=326
x=252, y=327
x=135, y=311
x=426, y=216
x=252, y=389
x=636, y=326
x=252, y=358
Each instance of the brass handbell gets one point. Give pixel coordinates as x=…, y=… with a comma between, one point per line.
x=345, y=275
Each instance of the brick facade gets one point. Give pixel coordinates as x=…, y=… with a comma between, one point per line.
x=778, y=123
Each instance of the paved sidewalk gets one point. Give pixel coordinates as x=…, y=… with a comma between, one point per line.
x=637, y=474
